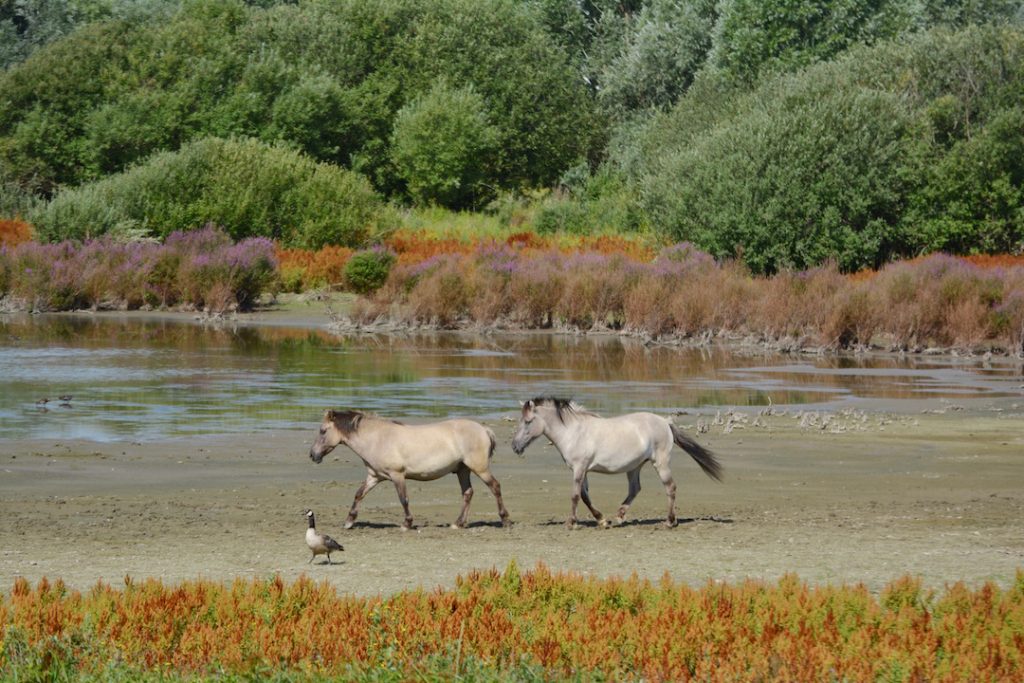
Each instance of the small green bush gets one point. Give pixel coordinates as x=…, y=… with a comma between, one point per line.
x=561, y=215
x=367, y=270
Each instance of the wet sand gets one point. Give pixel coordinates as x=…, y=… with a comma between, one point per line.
x=864, y=497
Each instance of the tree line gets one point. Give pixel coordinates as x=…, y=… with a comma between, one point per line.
x=785, y=132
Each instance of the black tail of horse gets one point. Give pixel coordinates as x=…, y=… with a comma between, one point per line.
x=704, y=457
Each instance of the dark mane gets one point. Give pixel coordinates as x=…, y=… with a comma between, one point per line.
x=347, y=421
x=563, y=406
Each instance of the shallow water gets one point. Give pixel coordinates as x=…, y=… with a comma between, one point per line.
x=132, y=378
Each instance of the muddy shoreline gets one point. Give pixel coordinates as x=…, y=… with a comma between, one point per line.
x=881, y=495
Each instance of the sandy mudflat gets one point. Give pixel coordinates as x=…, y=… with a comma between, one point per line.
x=866, y=499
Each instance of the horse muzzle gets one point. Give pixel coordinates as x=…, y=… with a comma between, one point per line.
x=315, y=455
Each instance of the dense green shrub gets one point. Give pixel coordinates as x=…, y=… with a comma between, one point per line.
x=444, y=147
x=249, y=188
x=893, y=150
x=367, y=270
x=817, y=177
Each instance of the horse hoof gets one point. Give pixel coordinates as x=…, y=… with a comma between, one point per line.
x=605, y=524
x=456, y=525
x=571, y=524
x=506, y=523
x=349, y=525
x=670, y=523
x=619, y=521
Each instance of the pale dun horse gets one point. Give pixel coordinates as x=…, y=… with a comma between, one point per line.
x=616, y=445
x=397, y=452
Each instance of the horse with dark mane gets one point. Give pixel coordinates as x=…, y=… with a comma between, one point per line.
x=395, y=452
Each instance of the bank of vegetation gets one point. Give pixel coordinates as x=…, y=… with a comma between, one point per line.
x=676, y=294
x=514, y=625
x=796, y=140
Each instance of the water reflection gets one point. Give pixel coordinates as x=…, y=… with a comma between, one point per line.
x=133, y=378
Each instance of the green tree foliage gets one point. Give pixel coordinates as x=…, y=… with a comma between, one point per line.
x=782, y=35
x=899, y=149
x=667, y=45
x=443, y=147
x=247, y=187
x=26, y=25
x=326, y=76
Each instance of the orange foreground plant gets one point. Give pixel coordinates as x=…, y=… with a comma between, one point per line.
x=565, y=624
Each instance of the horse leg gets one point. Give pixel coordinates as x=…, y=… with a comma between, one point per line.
x=403, y=498
x=492, y=483
x=467, y=495
x=585, y=495
x=364, y=488
x=665, y=474
x=634, y=488
x=577, y=491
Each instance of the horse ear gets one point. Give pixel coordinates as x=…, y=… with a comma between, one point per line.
x=522, y=404
x=328, y=415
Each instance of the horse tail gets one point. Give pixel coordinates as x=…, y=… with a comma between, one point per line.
x=494, y=443
x=704, y=457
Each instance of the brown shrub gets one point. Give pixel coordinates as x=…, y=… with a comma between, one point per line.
x=693, y=306
x=594, y=292
x=301, y=269
x=966, y=323
x=14, y=231
x=646, y=306
x=441, y=297
x=850, y=318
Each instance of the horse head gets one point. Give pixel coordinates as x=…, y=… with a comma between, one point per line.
x=335, y=428
x=531, y=425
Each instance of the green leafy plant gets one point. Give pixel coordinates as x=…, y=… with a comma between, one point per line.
x=367, y=270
